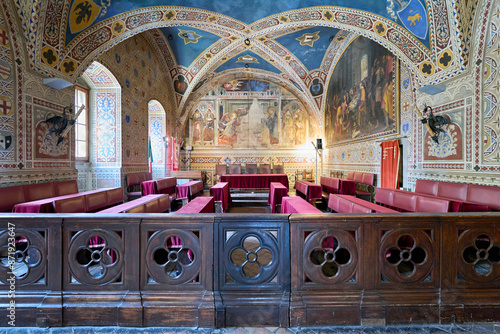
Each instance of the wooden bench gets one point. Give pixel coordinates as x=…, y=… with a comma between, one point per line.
x=365, y=183
x=187, y=174
x=10, y=196
x=308, y=190
x=335, y=200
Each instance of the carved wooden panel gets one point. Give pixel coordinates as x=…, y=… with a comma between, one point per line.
x=251, y=270
x=101, y=266
x=176, y=271
x=30, y=251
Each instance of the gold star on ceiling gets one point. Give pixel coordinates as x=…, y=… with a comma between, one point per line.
x=247, y=59
x=189, y=36
x=308, y=39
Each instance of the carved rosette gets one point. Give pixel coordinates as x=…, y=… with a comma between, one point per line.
x=173, y=256
x=406, y=256
x=251, y=257
x=29, y=257
x=330, y=256
x=479, y=259
x=96, y=257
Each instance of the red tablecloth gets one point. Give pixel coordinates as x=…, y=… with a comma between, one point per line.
x=199, y=205
x=276, y=193
x=221, y=193
x=189, y=189
x=254, y=181
x=370, y=205
x=310, y=190
x=296, y=204
x=148, y=187
x=347, y=187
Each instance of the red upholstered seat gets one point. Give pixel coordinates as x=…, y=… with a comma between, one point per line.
x=368, y=178
x=68, y=187
x=11, y=196
x=70, y=205
x=385, y=196
x=350, y=175
x=405, y=200
x=33, y=192
x=427, y=187
x=489, y=195
x=431, y=204
x=358, y=177
x=333, y=202
x=345, y=206
x=96, y=201
x=452, y=190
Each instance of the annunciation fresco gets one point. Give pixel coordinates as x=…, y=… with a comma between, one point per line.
x=361, y=99
x=250, y=114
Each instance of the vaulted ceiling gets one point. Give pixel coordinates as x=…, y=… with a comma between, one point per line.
x=295, y=44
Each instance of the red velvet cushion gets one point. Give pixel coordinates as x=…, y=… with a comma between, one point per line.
x=431, y=204
x=345, y=206
x=10, y=196
x=333, y=202
x=452, y=190
x=70, y=205
x=427, y=187
x=65, y=187
x=33, y=192
x=350, y=175
x=405, y=200
x=489, y=195
x=368, y=178
x=358, y=177
x=384, y=196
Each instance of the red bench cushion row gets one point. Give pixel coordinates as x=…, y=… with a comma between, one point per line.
x=70, y=205
x=134, y=181
x=10, y=196
x=475, y=193
x=344, y=205
x=91, y=201
x=408, y=201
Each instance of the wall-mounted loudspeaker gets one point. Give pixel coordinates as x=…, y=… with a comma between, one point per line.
x=319, y=144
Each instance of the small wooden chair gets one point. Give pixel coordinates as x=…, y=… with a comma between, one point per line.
x=265, y=168
x=251, y=168
x=235, y=169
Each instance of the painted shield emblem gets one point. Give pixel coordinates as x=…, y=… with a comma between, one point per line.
x=83, y=13
x=414, y=18
x=5, y=140
x=316, y=87
x=5, y=70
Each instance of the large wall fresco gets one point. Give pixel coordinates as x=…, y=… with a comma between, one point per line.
x=7, y=95
x=361, y=94
x=250, y=114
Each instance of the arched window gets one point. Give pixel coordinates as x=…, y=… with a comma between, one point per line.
x=157, y=121
x=104, y=130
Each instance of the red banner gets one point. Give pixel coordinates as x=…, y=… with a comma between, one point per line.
x=389, y=164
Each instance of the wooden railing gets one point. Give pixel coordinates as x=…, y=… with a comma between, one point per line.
x=218, y=270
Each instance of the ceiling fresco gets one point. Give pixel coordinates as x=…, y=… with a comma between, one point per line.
x=294, y=43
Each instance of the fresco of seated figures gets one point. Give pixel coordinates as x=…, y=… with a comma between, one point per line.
x=250, y=114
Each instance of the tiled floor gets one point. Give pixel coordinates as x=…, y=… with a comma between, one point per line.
x=428, y=329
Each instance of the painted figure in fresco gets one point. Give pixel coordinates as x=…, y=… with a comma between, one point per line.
x=227, y=129
x=197, y=122
x=269, y=134
x=208, y=128
x=300, y=128
x=436, y=123
x=288, y=128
